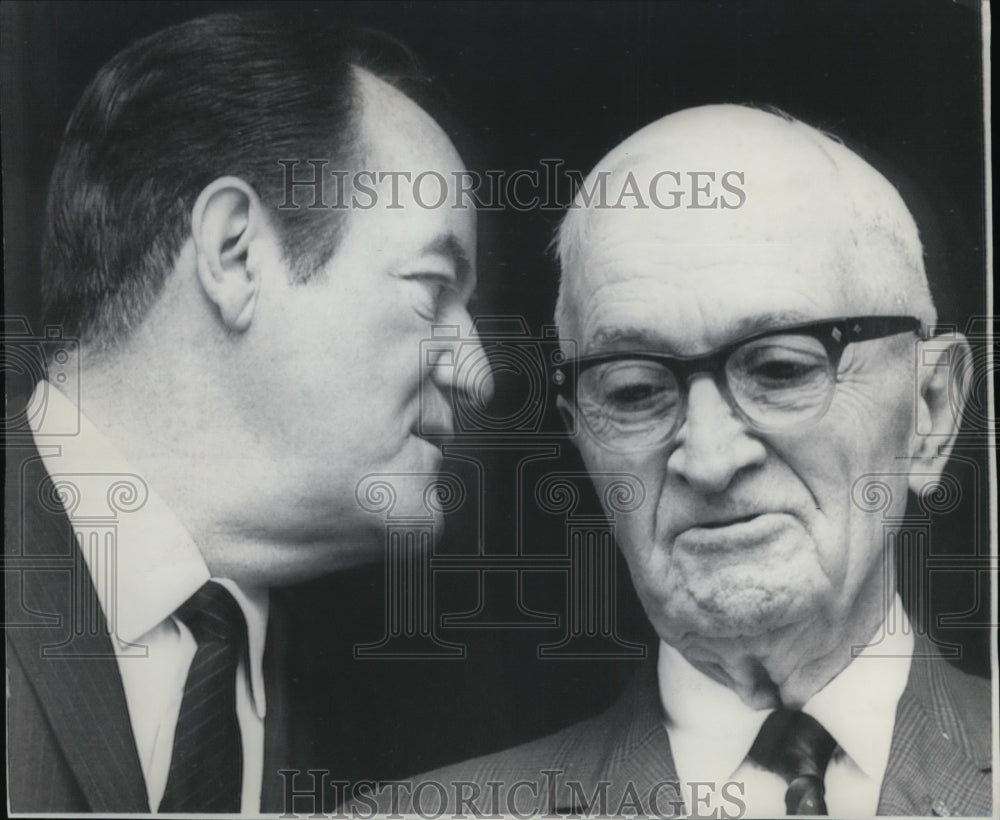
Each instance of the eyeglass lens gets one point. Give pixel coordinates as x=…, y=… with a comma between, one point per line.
x=776, y=381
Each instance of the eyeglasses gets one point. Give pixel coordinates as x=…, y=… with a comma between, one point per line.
x=775, y=380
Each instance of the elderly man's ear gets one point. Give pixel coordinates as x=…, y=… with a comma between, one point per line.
x=226, y=220
x=944, y=374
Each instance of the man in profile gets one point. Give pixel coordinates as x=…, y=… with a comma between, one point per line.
x=239, y=364
x=756, y=361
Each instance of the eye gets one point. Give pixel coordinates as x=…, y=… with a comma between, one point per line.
x=431, y=290
x=777, y=369
x=630, y=387
x=780, y=369
x=633, y=396
x=778, y=365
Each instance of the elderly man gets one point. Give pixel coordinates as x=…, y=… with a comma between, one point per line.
x=751, y=310
x=226, y=367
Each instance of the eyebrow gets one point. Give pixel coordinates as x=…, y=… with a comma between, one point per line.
x=626, y=337
x=767, y=321
x=449, y=245
x=646, y=338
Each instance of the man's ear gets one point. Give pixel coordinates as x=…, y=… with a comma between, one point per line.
x=943, y=378
x=225, y=219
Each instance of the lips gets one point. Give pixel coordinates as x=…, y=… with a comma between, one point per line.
x=729, y=522
x=742, y=533
x=436, y=430
x=434, y=441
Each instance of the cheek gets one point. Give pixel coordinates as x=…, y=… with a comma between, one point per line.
x=865, y=433
x=629, y=487
x=855, y=468
x=631, y=491
x=649, y=569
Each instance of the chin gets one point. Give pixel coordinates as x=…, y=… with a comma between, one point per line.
x=430, y=455
x=417, y=511
x=728, y=611
x=387, y=487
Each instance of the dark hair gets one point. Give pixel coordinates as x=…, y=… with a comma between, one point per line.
x=213, y=96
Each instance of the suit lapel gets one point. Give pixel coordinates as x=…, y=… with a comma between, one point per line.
x=630, y=751
x=643, y=758
x=77, y=684
x=933, y=767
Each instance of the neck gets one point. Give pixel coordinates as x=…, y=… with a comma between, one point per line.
x=787, y=669
x=246, y=507
x=160, y=410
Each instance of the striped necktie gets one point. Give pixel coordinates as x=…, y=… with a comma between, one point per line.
x=797, y=747
x=206, y=767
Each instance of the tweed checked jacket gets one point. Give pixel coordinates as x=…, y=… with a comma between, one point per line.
x=70, y=746
x=939, y=760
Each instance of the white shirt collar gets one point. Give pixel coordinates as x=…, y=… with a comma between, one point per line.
x=858, y=707
x=255, y=606
x=158, y=565
x=712, y=729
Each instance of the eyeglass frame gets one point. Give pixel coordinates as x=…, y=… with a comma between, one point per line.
x=834, y=334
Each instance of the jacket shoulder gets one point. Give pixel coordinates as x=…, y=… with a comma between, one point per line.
x=565, y=750
x=522, y=778
x=964, y=707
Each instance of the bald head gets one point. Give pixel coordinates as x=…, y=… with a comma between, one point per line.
x=793, y=197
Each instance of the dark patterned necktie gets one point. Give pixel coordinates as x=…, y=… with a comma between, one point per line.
x=206, y=766
x=797, y=747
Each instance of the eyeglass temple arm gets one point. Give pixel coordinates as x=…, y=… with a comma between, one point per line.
x=876, y=327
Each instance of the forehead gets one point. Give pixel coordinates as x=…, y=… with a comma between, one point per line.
x=396, y=131
x=789, y=235
x=412, y=174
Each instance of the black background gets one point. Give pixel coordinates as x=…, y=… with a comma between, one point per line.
x=902, y=80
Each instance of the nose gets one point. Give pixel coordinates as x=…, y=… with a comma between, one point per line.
x=464, y=369
x=713, y=444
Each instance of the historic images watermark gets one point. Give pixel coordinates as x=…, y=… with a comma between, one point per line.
x=313, y=184
x=314, y=793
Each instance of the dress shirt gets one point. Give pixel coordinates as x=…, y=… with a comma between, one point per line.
x=711, y=729
x=157, y=567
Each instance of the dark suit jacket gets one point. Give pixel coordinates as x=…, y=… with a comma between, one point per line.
x=939, y=761
x=69, y=739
